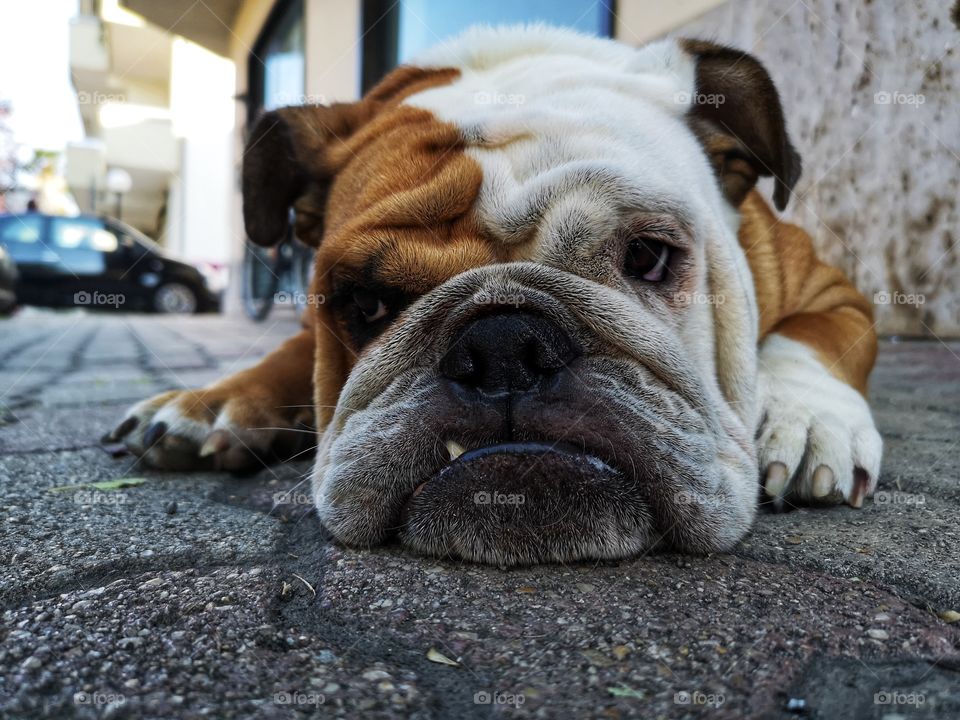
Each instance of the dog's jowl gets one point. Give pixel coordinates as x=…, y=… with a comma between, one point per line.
x=559, y=322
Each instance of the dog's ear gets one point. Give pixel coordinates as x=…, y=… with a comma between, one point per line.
x=286, y=164
x=736, y=113
x=293, y=153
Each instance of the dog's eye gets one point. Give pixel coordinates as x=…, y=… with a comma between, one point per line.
x=646, y=259
x=370, y=304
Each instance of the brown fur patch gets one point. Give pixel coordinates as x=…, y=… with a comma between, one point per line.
x=400, y=199
x=805, y=299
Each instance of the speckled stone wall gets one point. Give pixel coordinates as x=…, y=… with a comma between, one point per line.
x=873, y=105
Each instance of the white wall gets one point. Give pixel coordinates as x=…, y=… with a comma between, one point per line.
x=202, y=89
x=870, y=95
x=333, y=29
x=639, y=21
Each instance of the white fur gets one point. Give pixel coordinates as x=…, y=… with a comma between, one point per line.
x=542, y=108
x=576, y=130
x=812, y=419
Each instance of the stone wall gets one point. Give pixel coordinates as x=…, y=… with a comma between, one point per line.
x=871, y=96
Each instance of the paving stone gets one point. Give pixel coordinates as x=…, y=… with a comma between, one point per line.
x=663, y=636
x=206, y=595
x=64, y=338
x=37, y=428
x=100, y=384
x=65, y=540
x=15, y=384
x=907, y=536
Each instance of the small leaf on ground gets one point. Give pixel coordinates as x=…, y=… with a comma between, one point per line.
x=102, y=485
x=438, y=657
x=624, y=691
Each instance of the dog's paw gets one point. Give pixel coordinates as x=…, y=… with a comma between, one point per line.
x=817, y=441
x=214, y=428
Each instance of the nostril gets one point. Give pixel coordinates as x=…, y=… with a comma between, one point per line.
x=507, y=353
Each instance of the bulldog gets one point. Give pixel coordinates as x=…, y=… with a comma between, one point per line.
x=554, y=319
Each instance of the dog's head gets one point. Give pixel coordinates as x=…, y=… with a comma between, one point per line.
x=537, y=335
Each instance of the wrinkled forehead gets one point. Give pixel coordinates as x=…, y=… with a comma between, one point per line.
x=525, y=147
x=589, y=130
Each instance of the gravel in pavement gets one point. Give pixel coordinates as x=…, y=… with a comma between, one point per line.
x=205, y=595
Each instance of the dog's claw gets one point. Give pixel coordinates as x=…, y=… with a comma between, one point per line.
x=122, y=430
x=822, y=482
x=861, y=486
x=776, y=479
x=154, y=433
x=217, y=441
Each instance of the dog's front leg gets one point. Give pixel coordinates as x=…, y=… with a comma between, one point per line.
x=255, y=415
x=817, y=440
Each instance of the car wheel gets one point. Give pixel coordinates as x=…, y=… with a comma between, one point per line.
x=175, y=299
x=8, y=303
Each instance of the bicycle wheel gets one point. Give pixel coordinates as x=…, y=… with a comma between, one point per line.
x=261, y=278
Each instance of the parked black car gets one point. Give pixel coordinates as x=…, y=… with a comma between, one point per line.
x=8, y=282
x=100, y=263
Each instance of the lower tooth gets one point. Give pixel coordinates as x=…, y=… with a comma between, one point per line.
x=455, y=449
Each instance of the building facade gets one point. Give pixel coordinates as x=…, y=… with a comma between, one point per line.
x=158, y=115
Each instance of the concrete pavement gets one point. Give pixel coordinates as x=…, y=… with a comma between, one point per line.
x=205, y=595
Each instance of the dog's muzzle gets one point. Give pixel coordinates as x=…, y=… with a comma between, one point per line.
x=555, y=431
x=509, y=493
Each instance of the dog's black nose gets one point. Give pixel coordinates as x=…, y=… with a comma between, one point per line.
x=507, y=353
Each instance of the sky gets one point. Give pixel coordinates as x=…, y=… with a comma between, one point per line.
x=35, y=72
